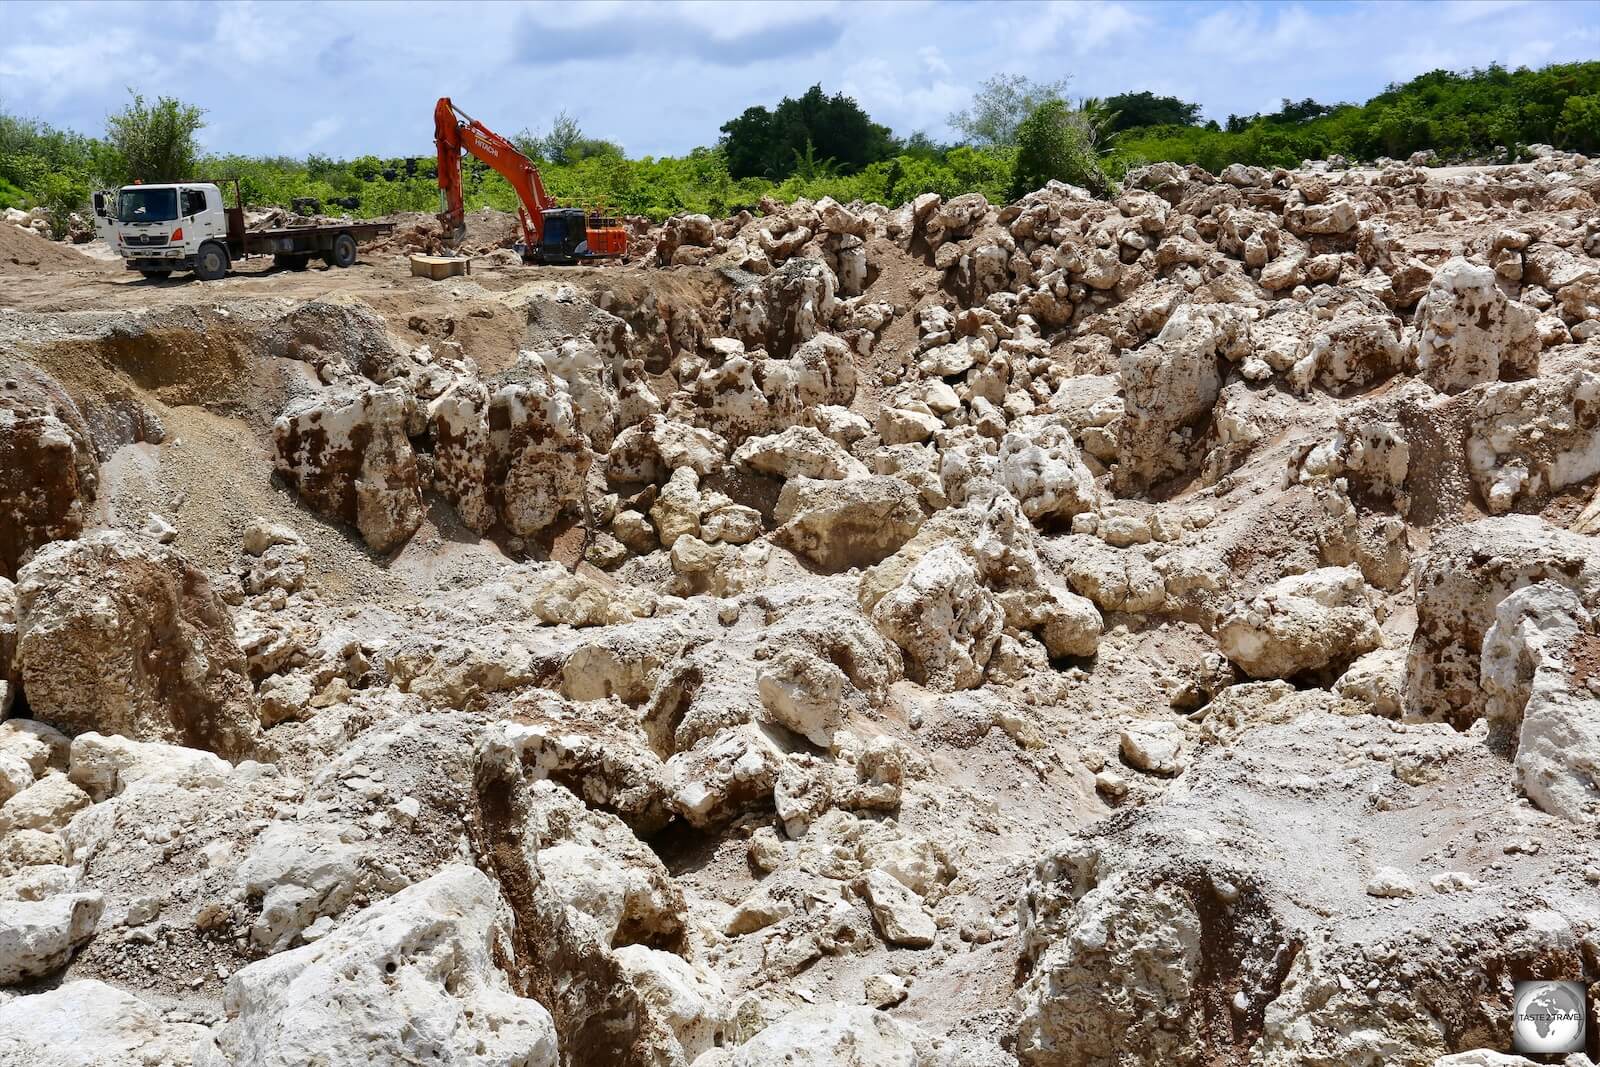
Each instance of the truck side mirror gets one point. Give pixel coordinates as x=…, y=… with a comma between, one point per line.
x=100, y=204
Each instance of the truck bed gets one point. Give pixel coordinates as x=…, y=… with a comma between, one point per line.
x=290, y=238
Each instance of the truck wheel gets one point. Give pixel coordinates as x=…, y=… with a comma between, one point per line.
x=211, y=262
x=291, y=261
x=343, y=253
x=157, y=275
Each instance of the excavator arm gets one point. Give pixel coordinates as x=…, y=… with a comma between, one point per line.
x=454, y=132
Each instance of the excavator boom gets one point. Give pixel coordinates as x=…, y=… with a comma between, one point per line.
x=454, y=132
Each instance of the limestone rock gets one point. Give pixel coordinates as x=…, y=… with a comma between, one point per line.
x=119, y=635
x=608, y=765
x=1115, y=988
x=48, y=804
x=38, y=937
x=1377, y=682
x=798, y=452
x=299, y=872
x=1469, y=333
x=1068, y=623
x=104, y=766
x=651, y=450
x=687, y=999
x=898, y=912
x=884, y=990
x=1301, y=623
x=1169, y=388
x=1533, y=660
x=346, y=454
x=87, y=1023
x=8, y=645
x=833, y=1035
x=410, y=978
x=1039, y=464
x=1459, y=586
x=552, y=942
x=721, y=777
x=1156, y=747
x=20, y=848
x=676, y=512
x=853, y=523
x=797, y=303
x=1529, y=439
x=944, y=619
x=41, y=487
x=804, y=693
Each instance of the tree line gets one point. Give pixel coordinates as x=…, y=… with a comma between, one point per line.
x=1016, y=134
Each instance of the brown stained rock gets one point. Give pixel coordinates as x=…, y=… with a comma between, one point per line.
x=1460, y=584
x=1170, y=386
x=513, y=455
x=39, y=490
x=787, y=308
x=556, y=956
x=1468, y=333
x=120, y=635
x=347, y=455
x=48, y=468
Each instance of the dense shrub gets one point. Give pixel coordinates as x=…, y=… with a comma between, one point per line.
x=1485, y=114
x=1055, y=142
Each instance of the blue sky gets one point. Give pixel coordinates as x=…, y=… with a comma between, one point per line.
x=348, y=79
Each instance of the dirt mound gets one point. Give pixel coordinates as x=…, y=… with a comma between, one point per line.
x=414, y=231
x=22, y=251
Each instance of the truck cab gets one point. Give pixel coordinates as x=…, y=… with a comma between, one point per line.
x=162, y=228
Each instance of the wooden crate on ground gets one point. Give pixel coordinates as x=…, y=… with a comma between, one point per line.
x=440, y=267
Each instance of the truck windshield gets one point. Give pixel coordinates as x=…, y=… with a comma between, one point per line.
x=147, y=205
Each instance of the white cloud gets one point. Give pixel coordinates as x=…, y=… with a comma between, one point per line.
x=251, y=35
x=377, y=67
x=1035, y=29
x=321, y=130
x=46, y=74
x=1531, y=54
x=1459, y=12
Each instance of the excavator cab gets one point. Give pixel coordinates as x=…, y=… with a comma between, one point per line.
x=566, y=236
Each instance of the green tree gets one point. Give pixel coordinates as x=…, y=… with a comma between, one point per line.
x=747, y=143
x=1302, y=110
x=366, y=168
x=920, y=146
x=1000, y=105
x=528, y=143
x=766, y=144
x=593, y=148
x=156, y=143
x=1056, y=142
x=1579, y=127
x=1147, y=109
x=564, y=136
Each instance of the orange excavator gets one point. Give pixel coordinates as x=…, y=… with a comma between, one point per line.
x=551, y=234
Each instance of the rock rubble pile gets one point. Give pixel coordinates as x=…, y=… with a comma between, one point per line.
x=1159, y=630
